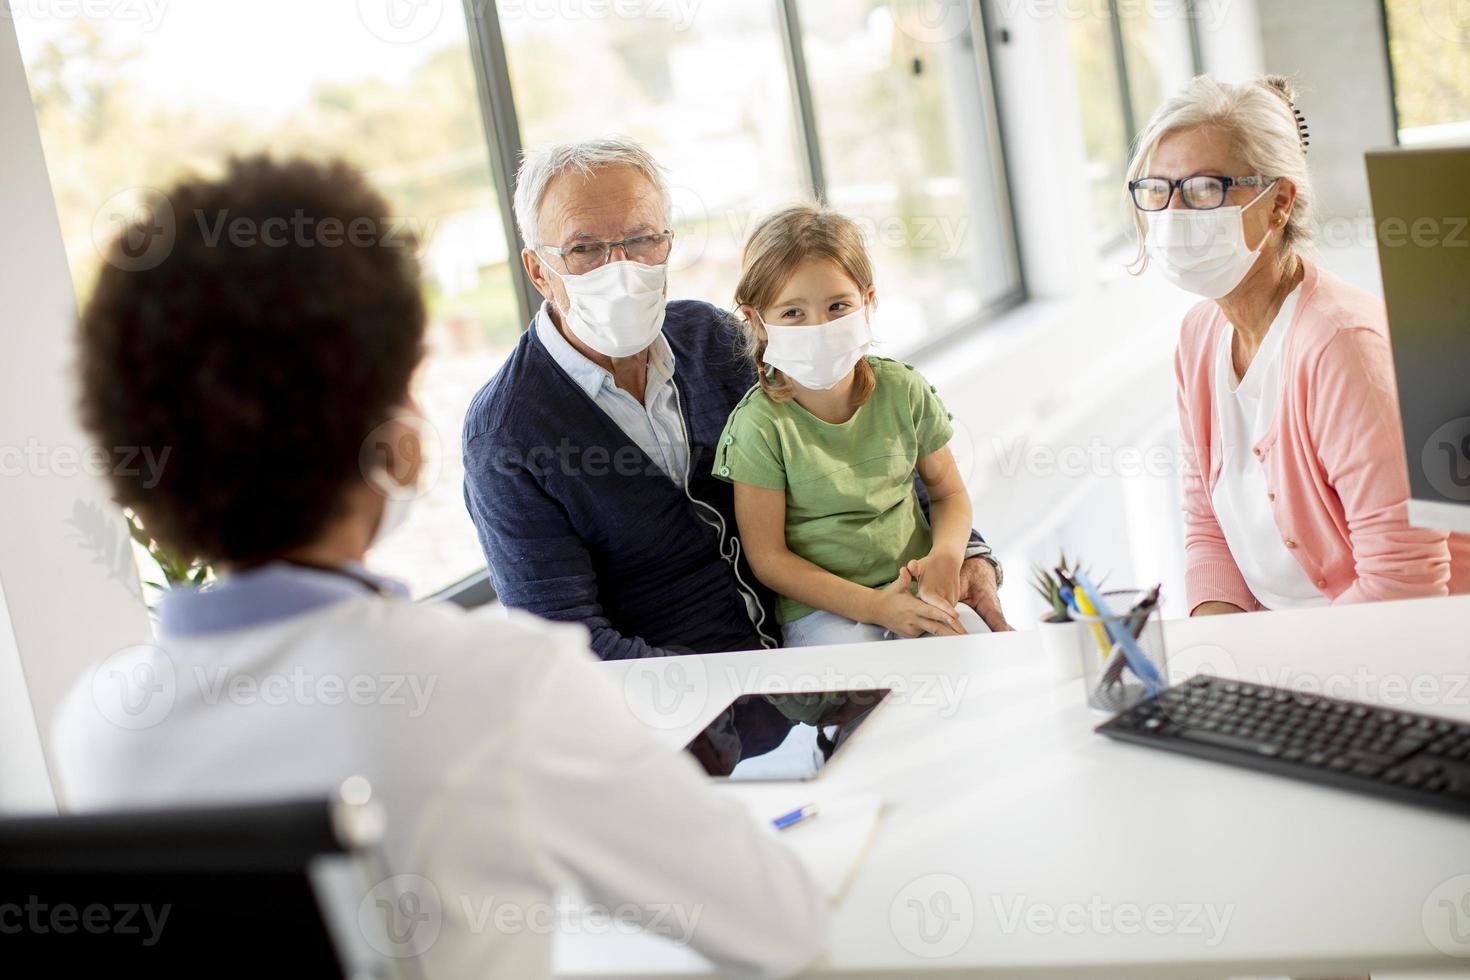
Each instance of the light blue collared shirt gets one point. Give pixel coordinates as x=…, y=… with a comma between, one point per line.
x=264, y=595
x=655, y=426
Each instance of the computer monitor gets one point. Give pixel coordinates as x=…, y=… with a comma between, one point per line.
x=1421, y=212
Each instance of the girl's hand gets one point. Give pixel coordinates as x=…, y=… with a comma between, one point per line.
x=895, y=608
x=938, y=575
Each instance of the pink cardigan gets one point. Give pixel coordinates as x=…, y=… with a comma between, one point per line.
x=1334, y=458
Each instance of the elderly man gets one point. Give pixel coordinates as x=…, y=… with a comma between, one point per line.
x=587, y=456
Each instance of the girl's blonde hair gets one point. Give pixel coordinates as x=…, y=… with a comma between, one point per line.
x=780, y=243
x=1261, y=119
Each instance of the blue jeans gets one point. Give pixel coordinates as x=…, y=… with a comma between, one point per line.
x=820, y=628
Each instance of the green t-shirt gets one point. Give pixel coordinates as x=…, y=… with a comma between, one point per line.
x=850, y=502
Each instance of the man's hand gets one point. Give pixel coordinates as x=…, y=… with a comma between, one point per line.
x=979, y=591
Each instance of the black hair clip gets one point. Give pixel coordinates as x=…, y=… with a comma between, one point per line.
x=1301, y=126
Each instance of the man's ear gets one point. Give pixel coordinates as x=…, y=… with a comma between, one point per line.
x=536, y=271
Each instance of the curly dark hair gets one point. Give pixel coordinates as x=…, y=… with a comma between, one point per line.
x=279, y=329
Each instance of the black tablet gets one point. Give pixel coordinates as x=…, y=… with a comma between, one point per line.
x=820, y=723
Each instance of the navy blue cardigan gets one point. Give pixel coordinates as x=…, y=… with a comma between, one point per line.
x=579, y=524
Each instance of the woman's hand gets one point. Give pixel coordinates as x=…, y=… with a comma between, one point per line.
x=938, y=575
x=896, y=608
x=1216, y=608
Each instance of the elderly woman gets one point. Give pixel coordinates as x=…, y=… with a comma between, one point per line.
x=1295, y=485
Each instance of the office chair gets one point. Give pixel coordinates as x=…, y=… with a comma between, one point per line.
x=252, y=890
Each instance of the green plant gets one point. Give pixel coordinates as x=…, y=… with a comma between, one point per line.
x=1048, y=585
x=176, y=571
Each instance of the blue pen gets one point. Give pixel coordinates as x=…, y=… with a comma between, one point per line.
x=795, y=816
x=1138, y=662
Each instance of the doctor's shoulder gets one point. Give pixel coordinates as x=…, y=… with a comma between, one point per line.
x=493, y=648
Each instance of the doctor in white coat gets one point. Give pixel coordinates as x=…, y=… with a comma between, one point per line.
x=275, y=370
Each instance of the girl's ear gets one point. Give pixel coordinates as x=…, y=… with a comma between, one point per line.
x=748, y=312
x=870, y=295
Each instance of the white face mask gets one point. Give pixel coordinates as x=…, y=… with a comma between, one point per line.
x=617, y=309
x=819, y=355
x=395, y=511
x=1203, y=252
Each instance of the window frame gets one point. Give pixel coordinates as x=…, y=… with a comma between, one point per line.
x=503, y=133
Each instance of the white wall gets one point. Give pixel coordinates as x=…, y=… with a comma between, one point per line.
x=70, y=591
x=1336, y=54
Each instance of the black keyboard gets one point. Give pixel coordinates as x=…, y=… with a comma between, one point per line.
x=1398, y=755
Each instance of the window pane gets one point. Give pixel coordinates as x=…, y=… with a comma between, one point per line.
x=1157, y=47
x=1100, y=99
x=125, y=103
x=1429, y=45
x=1159, y=59
x=709, y=97
x=903, y=123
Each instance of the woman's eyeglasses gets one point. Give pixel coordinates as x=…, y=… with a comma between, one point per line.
x=1203, y=192
x=582, y=257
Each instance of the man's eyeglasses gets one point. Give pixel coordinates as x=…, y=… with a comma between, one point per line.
x=1204, y=192
x=582, y=257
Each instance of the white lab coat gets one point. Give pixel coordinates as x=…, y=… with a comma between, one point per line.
x=508, y=765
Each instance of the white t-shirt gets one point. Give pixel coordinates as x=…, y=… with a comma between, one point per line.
x=509, y=766
x=1247, y=408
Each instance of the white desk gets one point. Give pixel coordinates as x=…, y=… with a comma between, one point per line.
x=1033, y=847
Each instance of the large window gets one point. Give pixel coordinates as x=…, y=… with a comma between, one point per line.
x=125, y=103
x=1429, y=48
x=904, y=145
x=882, y=109
x=1128, y=57
x=710, y=98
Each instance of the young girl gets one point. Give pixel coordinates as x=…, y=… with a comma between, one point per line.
x=823, y=450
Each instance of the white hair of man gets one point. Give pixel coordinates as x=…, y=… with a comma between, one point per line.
x=540, y=167
x=1262, y=121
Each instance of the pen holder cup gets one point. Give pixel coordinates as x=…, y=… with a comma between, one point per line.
x=1117, y=675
